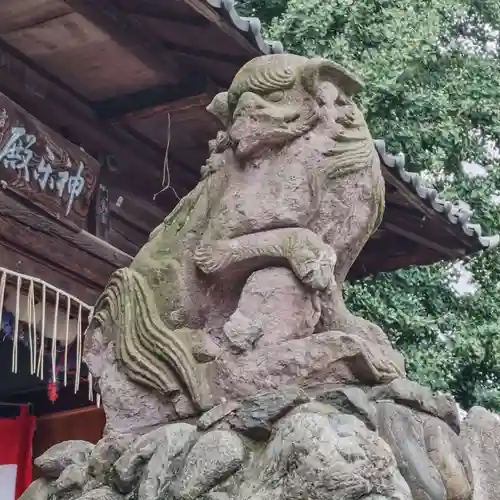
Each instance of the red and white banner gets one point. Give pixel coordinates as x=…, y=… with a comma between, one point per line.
x=16, y=436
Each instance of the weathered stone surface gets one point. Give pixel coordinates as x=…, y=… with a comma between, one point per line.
x=58, y=457
x=128, y=467
x=255, y=319
x=420, y=398
x=256, y=414
x=216, y=414
x=326, y=458
x=104, y=493
x=72, y=478
x=351, y=400
x=216, y=455
x=204, y=348
x=324, y=358
x=128, y=406
x=166, y=460
x=107, y=451
x=38, y=490
x=430, y=455
x=315, y=407
x=481, y=436
x=215, y=496
x=94, y=484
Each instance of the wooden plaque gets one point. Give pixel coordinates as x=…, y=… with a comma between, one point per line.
x=43, y=166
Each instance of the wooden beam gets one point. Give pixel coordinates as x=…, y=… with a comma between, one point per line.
x=136, y=212
x=15, y=210
x=134, y=35
x=185, y=50
x=75, y=254
x=161, y=10
x=413, y=199
x=191, y=175
x=421, y=229
x=200, y=101
x=124, y=26
x=451, y=253
x=20, y=260
x=161, y=95
x=372, y=264
x=102, y=213
x=202, y=8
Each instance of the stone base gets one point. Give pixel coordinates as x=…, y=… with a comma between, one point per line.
x=279, y=445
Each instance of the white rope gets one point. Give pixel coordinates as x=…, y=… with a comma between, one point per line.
x=166, y=181
x=42, y=340
x=16, y=327
x=68, y=311
x=78, y=348
x=32, y=327
x=37, y=281
x=54, y=337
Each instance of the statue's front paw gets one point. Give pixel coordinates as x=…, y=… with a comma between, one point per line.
x=315, y=267
x=211, y=257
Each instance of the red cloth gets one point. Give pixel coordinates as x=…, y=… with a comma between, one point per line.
x=16, y=438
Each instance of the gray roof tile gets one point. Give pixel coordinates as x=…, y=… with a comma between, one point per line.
x=250, y=27
x=457, y=213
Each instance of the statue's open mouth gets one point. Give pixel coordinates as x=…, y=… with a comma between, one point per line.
x=251, y=136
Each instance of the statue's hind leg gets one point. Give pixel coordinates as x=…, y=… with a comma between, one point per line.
x=273, y=307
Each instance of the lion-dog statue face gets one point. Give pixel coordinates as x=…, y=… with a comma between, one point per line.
x=273, y=99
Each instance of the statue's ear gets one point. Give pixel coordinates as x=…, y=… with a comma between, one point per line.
x=319, y=70
x=219, y=107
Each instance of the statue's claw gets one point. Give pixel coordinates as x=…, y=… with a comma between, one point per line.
x=211, y=257
x=315, y=267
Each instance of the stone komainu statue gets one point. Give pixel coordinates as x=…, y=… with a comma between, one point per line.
x=239, y=293
x=295, y=184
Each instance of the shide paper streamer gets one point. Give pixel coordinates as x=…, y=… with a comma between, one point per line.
x=47, y=320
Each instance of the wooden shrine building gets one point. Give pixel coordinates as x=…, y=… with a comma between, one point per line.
x=92, y=94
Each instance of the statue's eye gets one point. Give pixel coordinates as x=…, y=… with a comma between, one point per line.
x=274, y=96
x=342, y=100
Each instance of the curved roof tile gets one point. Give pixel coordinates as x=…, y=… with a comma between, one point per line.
x=250, y=27
x=457, y=213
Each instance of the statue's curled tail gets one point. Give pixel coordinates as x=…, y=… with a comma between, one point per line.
x=151, y=353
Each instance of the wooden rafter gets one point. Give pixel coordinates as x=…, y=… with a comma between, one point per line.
x=122, y=31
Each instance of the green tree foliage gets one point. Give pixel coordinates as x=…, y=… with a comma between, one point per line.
x=432, y=74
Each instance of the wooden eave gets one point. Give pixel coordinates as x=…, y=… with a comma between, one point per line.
x=129, y=79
